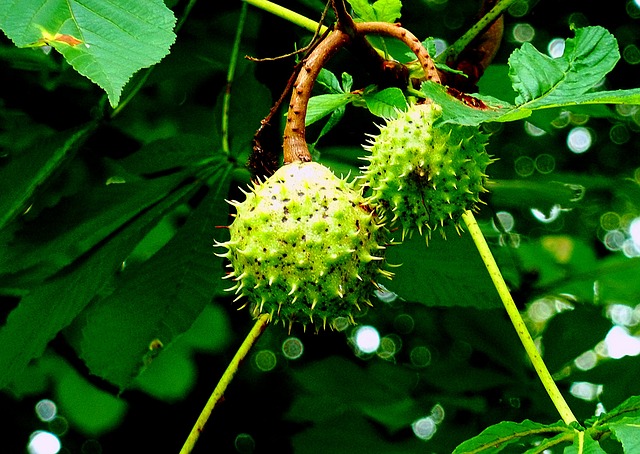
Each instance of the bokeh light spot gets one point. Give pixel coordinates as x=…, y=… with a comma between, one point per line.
x=620, y=314
x=367, y=339
x=385, y=295
x=556, y=47
x=506, y=221
x=389, y=346
x=519, y=8
x=265, y=360
x=437, y=413
x=46, y=410
x=619, y=134
x=585, y=390
x=292, y=348
x=420, y=356
x=42, y=442
x=404, y=323
x=424, y=428
x=587, y=360
x=579, y=140
x=244, y=444
x=554, y=213
x=620, y=343
x=614, y=240
x=631, y=54
x=634, y=231
x=610, y=220
x=533, y=130
x=545, y=163
x=524, y=166
x=562, y=120
x=523, y=33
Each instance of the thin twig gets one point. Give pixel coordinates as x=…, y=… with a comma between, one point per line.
x=233, y=61
x=218, y=392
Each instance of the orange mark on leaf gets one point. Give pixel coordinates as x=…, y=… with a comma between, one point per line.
x=50, y=38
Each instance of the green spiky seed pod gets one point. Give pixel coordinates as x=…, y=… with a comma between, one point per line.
x=423, y=175
x=304, y=248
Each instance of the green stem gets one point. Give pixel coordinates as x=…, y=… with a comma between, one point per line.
x=287, y=14
x=461, y=43
x=232, y=368
x=226, y=102
x=516, y=319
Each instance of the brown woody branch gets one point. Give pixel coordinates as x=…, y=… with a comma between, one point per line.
x=295, y=144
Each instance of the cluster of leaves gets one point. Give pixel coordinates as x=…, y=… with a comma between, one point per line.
x=108, y=248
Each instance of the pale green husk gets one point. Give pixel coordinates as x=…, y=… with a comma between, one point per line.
x=304, y=247
x=424, y=176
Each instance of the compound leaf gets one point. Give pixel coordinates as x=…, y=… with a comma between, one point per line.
x=52, y=306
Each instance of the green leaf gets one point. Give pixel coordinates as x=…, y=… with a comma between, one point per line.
x=362, y=9
x=173, y=153
x=629, y=408
x=89, y=409
x=456, y=111
x=335, y=383
x=52, y=306
x=106, y=41
x=322, y=105
x=584, y=444
x=347, y=82
x=387, y=10
x=334, y=119
x=158, y=299
x=80, y=222
x=565, y=337
x=329, y=80
x=627, y=431
x=30, y=168
x=386, y=103
x=380, y=11
x=541, y=80
x=445, y=273
x=495, y=438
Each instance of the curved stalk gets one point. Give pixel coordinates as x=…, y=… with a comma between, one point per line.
x=218, y=392
x=516, y=319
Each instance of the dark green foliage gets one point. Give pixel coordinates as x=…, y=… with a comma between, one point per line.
x=111, y=301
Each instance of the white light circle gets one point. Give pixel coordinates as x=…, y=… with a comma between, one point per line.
x=579, y=140
x=367, y=339
x=42, y=442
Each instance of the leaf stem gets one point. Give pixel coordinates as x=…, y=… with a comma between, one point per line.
x=287, y=14
x=232, y=368
x=516, y=319
x=461, y=43
x=226, y=102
